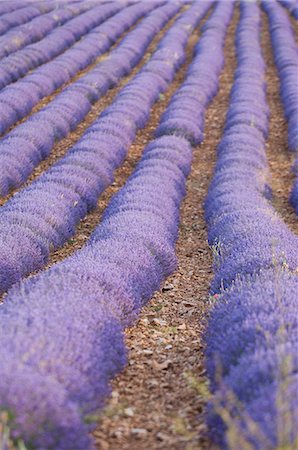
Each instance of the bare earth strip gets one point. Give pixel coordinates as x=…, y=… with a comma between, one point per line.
x=158, y=401
x=280, y=158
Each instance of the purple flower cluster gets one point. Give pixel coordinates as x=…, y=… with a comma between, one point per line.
x=255, y=266
x=286, y=59
x=62, y=329
x=292, y=7
x=22, y=15
x=52, y=382
x=232, y=211
x=294, y=192
x=185, y=113
x=24, y=147
x=18, y=99
x=56, y=42
x=8, y=6
x=38, y=27
x=44, y=215
x=252, y=344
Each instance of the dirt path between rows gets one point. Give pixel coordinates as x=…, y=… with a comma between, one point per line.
x=158, y=401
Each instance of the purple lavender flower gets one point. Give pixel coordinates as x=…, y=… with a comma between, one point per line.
x=37, y=28
x=252, y=332
x=59, y=39
x=286, y=60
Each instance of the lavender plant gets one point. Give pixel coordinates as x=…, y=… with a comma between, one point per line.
x=23, y=15
x=53, y=44
x=291, y=6
x=18, y=99
x=252, y=332
x=185, y=113
x=286, y=59
x=294, y=194
x=38, y=27
x=10, y=6
x=103, y=287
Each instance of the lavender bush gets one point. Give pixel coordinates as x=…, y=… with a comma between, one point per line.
x=23, y=15
x=185, y=113
x=9, y=6
x=253, y=334
x=18, y=99
x=294, y=195
x=38, y=27
x=286, y=59
x=44, y=215
x=103, y=287
x=54, y=43
x=253, y=327
x=292, y=7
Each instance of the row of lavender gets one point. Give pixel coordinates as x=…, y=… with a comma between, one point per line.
x=7, y=6
x=44, y=215
x=18, y=99
x=252, y=333
x=61, y=331
x=40, y=26
x=286, y=59
x=185, y=113
x=24, y=14
x=24, y=147
x=292, y=6
x=54, y=43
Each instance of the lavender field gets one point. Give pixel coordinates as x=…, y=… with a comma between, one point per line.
x=148, y=225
